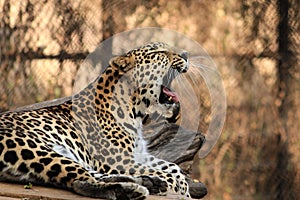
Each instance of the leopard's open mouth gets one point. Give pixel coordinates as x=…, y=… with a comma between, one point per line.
x=167, y=96
x=170, y=101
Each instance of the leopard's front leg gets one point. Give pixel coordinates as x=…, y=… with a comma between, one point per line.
x=154, y=184
x=75, y=177
x=157, y=175
x=170, y=172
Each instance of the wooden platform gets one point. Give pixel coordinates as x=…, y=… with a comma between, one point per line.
x=9, y=191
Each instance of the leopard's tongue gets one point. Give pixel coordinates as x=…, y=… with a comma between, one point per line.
x=171, y=94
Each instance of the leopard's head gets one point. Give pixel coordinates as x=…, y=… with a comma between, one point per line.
x=145, y=75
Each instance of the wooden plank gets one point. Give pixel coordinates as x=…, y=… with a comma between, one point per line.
x=9, y=198
x=37, y=193
x=10, y=191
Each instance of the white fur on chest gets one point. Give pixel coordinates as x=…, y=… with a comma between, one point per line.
x=140, y=151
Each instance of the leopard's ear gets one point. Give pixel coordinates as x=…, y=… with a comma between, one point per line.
x=122, y=63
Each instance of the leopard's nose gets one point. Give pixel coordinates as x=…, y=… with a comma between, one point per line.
x=184, y=55
x=184, y=70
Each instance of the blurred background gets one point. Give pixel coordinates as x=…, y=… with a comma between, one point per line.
x=255, y=44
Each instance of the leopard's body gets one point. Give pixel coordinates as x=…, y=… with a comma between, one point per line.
x=92, y=143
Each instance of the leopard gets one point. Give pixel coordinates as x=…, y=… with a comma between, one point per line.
x=92, y=142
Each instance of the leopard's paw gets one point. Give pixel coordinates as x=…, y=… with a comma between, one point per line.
x=154, y=184
x=122, y=190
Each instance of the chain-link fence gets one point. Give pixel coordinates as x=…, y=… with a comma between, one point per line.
x=256, y=45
